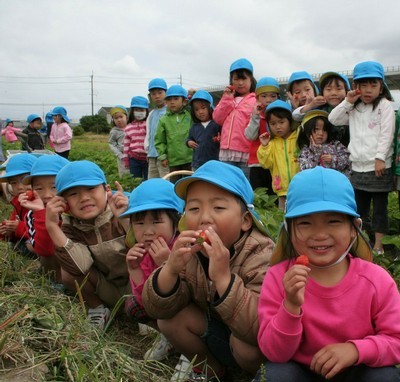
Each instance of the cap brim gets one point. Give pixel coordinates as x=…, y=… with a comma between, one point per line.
x=316, y=207
x=28, y=179
x=85, y=183
x=5, y=177
x=146, y=207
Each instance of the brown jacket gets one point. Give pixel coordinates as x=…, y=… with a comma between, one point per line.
x=237, y=308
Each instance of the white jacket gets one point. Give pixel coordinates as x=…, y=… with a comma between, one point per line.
x=371, y=132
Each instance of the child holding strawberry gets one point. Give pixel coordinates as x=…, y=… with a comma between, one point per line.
x=233, y=114
x=333, y=316
x=205, y=296
x=154, y=210
x=15, y=229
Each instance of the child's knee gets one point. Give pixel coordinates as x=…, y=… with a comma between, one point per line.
x=248, y=357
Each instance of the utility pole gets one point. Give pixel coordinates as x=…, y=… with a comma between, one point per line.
x=180, y=79
x=91, y=91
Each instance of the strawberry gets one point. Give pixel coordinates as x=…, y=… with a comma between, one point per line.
x=30, y=195
x=358, y=91
x=67, y=208
x=303, y=260
x=231, y=88
x=203, y=238
x=3, y=223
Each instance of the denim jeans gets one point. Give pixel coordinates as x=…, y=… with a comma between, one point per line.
x=138, y=168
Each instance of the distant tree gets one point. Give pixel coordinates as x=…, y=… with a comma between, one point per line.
x=95, y=124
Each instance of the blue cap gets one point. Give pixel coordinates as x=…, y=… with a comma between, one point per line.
x=279, y=104
x=368, y=69
x=119, y=109
x=301, y=76
x=49, y=117
x=335, y=74
x=157, y=83
x=79, y=173
x=32, y=117
x=59, y=110
x=153, y=194
x=140, y=102
x=46, y=165
x=320, y=190
x=18, y=164
x=176, y=91
x=267, y=85
x=227, y=177
x=204, y=96
x=241, y=63
x=8, y=120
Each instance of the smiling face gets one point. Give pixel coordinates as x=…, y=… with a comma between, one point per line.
x=322, y=237
x=151, y=225
x=86, y=202
x=45, y=186
x=280, y=127
x=208, y=205
x=334, y=92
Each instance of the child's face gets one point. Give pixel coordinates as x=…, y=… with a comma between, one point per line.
x=208, y=205
x=149, y=228
x=267, y=98
x=57, y=119
x=120, y=120
x=36, y=124
x=319, y=135
x=323, y=237
x=334, y=92
x=280, y=127
x=302, y=90
x=45, y=186
x=370, y=90
x=158, y=97
x=201, y=110
x=86, y=202
x=17, y=187
x=174, y=104
x=242, y=85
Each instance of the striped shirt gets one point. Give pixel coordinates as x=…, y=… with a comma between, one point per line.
x=135, y=133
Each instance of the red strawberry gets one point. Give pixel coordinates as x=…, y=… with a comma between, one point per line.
x=303, y=260
x=358, y=91
x=203, y=238
x=30, y=195
x=67, y=208
x=231, y=88
x=296, y=96
x=3, y=223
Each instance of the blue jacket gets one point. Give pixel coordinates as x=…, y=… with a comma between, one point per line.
x=208, y=140
x=152, y=123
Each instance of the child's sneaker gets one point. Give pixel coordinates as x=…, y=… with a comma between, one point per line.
x=195, y=376
x=182, y=370
x=160, y=350
x=98, y=316
x=145, y=330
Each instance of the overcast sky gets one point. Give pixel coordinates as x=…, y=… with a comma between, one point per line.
x=49, y=49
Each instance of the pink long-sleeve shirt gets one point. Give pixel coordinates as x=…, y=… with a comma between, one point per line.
x=363, y=308
x=60, y=136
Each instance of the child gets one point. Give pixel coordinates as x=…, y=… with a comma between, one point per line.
x=61, y=133
x=172, y=132
x=267, y=91
x=205, y=296
x=318, y=145
x=233, y=114
x=154, y=210
x=119, y=116
x=9, y=131
x=396, y=158
x=15, y=228
x=90, y=244
x=371, y=121
x=337, y=316
x=205, y=134
x=334, y=87
x=303, y=94
x=157, y=90
x=135, y=157
x=42, y=181
x=278, y=151
x=33, y=140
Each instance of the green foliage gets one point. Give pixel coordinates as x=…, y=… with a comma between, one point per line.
x=95, y=124
x=78, y=130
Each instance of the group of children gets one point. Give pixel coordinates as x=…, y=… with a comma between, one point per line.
x=196, y=260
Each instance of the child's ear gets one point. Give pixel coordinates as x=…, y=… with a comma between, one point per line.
x=247, y=221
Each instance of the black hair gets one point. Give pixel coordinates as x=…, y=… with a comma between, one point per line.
x=333, y=80
x=242, y=74
x=290, y=88
x=192, y=113
x=283, y=114
x=131, y=117
x=173, y=215
x=309, y=127
x=383, y=94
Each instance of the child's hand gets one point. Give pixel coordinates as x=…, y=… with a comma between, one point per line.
x=164, y=163
x=294, y=283
x=229, y=91
x=333, y=358
x=315, y=102
x=193, y=145
x=135, y=256
x=265, y=138
x=326, y=159
x=9, y=227
x=159, y=250
x=118, y=201
x=353, y=95
x=31, y=201
x=380, y=167
x=54, y=208
x=258, y=107
x=294, y=100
